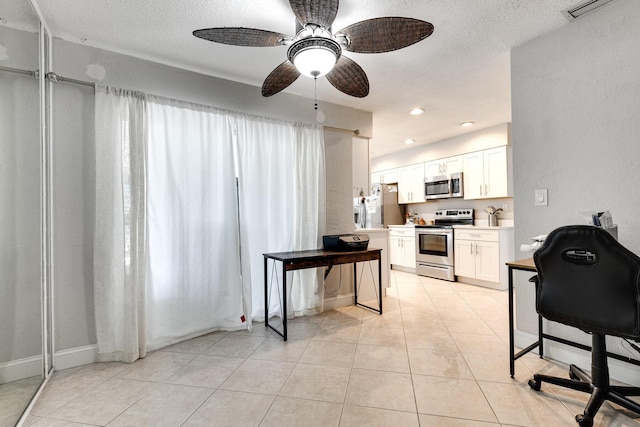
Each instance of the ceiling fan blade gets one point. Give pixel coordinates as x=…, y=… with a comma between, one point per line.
x=240, y=36
x=321, y=12
x=280, y=78
x=379, y=35
x=349, y=77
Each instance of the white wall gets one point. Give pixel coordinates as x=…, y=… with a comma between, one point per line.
x=575, y=130
x=74, y=158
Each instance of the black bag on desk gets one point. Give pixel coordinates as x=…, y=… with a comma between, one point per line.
x=345, y=242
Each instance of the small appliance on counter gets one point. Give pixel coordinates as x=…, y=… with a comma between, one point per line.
x=345, y=242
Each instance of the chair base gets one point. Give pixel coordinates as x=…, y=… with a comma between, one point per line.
x=581, y=381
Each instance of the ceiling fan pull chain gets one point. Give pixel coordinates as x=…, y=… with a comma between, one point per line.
x=315, y=93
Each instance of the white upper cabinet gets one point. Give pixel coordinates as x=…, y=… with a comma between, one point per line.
x=444, y=166
x=486, y=173
x=411, y=184
x=389, y=176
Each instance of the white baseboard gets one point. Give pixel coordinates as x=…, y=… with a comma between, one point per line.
x=20, y=369
x=618, y=370
x=77, y=356
x=28, y=367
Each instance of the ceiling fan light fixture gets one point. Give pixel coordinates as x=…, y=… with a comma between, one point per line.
x=314, y=56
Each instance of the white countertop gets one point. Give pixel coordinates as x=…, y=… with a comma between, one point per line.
x=401, y=226
x=484, y=227
x=371, y=230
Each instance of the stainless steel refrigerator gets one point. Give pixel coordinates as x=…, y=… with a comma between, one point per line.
x=380, y=209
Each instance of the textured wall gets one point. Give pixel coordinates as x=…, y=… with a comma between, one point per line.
x=575, y=129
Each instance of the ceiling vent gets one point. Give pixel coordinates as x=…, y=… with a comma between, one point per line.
x=583, y=8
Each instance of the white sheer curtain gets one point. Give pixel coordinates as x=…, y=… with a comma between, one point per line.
x=281, y=190
x=167, y=258
x=120, y=224
x=193, y=281
x=309, y=212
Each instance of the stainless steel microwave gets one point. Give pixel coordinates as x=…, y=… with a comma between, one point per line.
x=443, y=186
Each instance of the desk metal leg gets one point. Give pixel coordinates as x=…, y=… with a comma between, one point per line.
x=284, y=302
x=355, y=283
x=283, y=334
x=266, y=295
x=540, y=336
x=538, y=344
x=380, y=282
x=355, y=286
x=512, y=362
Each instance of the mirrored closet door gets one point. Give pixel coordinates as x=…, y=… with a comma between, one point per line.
x=24, y=212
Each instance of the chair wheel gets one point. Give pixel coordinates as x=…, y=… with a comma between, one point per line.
x=534, y=384
x=583, y=421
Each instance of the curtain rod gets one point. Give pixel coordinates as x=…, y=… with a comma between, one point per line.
x=355, y=132
x=19, y=71
x=55, y=78
x=51, y=76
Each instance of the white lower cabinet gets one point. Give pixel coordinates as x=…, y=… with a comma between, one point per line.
x=481, y=256
x=402, y=248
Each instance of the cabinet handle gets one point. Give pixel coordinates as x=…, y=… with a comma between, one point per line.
x=485, y=190
x=471, y=249
x=477, y=250
x=481, y=189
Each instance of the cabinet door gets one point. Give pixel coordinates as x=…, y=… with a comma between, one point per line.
x=452, y=164
x=395, y=250
x=473, y=178
x=433, y=168
x=390, y=176
x=465, y=258
x=376, y=178
x=404, y=184
x=417, y=183
x=409, y=249
x=488, y=261
x=496, y=172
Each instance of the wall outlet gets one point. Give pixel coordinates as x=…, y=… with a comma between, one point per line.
x=505, y=207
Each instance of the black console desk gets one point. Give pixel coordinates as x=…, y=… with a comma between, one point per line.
x=297, y=260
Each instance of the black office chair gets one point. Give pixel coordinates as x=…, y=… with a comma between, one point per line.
x=588, y=280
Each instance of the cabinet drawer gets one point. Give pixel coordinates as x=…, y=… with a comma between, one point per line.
x=402, y=232
x=483, y=235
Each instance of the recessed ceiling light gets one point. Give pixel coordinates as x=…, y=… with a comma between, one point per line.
x=409, y=141
x=416, y=111
x=466, y=124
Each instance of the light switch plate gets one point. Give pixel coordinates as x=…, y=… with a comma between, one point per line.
x=541, y=198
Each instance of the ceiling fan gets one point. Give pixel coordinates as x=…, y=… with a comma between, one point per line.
x=315, y=51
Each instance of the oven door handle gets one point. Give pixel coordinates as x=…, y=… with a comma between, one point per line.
x=435, y=267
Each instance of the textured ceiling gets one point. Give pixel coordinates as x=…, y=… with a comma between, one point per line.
x=461, y=73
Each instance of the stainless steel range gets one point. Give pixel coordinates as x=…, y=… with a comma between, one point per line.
x=434, y=243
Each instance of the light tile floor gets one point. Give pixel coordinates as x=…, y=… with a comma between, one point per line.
x=438, y=356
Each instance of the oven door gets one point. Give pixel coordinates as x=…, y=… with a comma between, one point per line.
x=434, y=245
